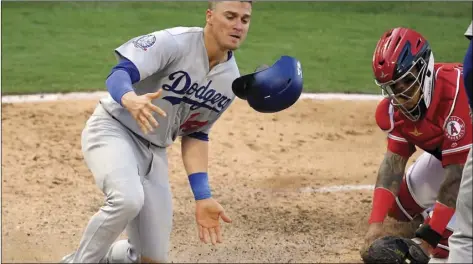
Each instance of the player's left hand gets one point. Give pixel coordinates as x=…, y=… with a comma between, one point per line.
x=207, y=214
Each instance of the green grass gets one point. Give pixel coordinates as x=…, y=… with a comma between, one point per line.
x=68, y=46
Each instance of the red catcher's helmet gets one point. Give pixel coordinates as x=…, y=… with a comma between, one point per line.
x=404, y=57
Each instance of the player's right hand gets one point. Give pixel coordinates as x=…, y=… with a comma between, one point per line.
x=142, y=108
x=375, y=230
x=207, y=214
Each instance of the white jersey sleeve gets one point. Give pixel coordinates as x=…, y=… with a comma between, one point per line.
x=150, y=53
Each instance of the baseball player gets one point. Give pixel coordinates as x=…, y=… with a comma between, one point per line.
x=171, y=83
x=461, y=241
x=426, y=107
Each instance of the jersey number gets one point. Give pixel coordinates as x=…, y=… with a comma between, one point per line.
x=192, y=124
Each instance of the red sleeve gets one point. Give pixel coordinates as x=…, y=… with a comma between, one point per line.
x=385, y=119
x=399, y=145
x=457, y=124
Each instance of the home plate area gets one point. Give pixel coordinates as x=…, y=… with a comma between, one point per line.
x=297, y=184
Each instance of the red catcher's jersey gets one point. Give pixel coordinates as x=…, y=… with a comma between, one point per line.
x=445, y=131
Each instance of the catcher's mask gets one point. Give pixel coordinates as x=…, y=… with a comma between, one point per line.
x=271, y=89
x=403, y=66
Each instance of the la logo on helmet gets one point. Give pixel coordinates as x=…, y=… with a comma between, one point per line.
x=299, y=69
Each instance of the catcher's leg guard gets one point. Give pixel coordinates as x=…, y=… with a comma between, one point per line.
x=419, y=188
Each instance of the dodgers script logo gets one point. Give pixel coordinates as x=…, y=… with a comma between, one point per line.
x=192, y=124
x=207, y=97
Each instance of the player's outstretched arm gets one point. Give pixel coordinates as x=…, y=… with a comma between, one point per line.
x=387, y=186
x=444, y=208
x=195, y=154
x=208, y=211
x=451, y=185
x=388, y=182
x=391, y=172
x=119, y=84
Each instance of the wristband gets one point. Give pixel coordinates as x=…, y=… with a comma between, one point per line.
x=200, y=185
x=426, y=233
x=382, y=202
x=432, y=232
x=441, y=215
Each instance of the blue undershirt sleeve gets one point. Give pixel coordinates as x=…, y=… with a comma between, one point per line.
x=121, y=78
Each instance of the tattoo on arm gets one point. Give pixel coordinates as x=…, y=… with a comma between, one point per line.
x=391, y=172
x=450, y=186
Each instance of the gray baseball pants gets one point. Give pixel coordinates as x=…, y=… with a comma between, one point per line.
x=461, y=241
x=133, y=175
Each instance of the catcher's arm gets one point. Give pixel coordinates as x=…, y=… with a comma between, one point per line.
x=451, y=185
x=387, y=185
x=444, y=207
x=391, y=172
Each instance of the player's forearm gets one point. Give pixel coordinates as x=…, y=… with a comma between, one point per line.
x=391, y=172
x=120, y=81
x=449, y=188
x=118, y=84
x=194, y=155
x=195, y=159
x=387, y=185
x=444, y=208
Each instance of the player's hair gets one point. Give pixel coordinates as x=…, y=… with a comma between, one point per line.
x=213, y=3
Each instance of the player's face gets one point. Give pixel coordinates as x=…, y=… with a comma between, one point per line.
x=230, y=21
x=407, y=90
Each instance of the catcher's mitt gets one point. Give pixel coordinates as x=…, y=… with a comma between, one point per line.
x=393, y=249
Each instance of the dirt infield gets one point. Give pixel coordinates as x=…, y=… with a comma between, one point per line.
x=259, y=163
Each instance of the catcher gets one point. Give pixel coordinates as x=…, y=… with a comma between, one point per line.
x=425, y=107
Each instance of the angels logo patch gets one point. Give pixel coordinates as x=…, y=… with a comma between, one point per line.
x=145, y=42
x=455, y=128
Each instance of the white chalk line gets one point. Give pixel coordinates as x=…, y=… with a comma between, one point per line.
x=323, y=189
x=33, y=98
x=314, y=96
x=336, y=188
x=30, y=98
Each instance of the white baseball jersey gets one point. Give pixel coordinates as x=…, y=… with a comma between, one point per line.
x=193, y=98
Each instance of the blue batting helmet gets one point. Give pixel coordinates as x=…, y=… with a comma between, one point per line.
x=273, y=88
